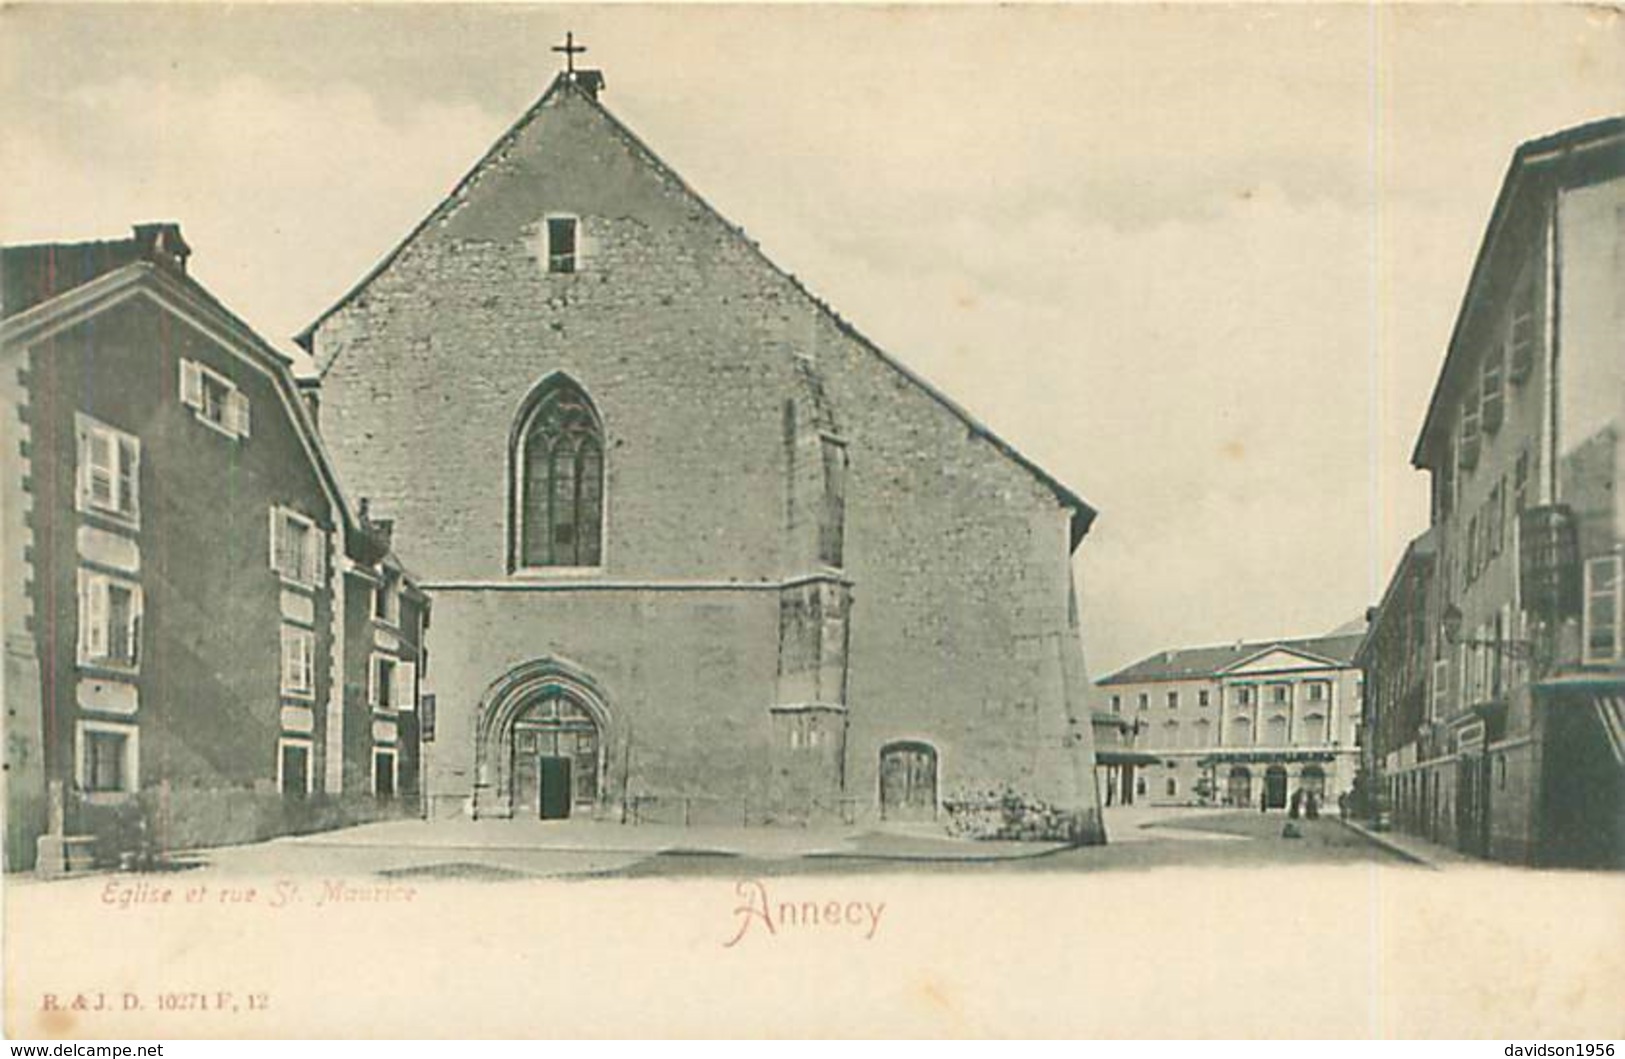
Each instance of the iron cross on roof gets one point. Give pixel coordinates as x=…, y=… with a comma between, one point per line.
x=570, y=49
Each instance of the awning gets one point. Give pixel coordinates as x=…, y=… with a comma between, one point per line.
x=1605, y=692
x=1125, y=757
x=1611, y=712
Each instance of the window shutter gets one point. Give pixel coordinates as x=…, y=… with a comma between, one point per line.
x=276, y=539
x=103, y=463
x=129, y=476
x=96, y=630
x=316, y=555
x=406, y=679
x=288, y=647
x=191, y=384
x=372, y=681
x=237, y=413
x=135, y=627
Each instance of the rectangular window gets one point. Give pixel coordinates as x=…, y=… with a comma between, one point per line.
x=109, y=470
x=104, y=761
x=109, y=621
x=1117, y=704
x=1244, y=695
x=294, y=776
x=214, y=399
x=561, y=244
x=1201, y=698
x=1601, y=636
x=832, y=516
x=382, y=693
x=298, y=661
x=1173, y=700
x=1317, y=691
x=383, y=773
x=1145, y=701
x=386, y=599
x=1280, y=694
x=297, y=548
x=107, y=758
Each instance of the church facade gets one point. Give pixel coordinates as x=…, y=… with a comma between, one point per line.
x=699, y=552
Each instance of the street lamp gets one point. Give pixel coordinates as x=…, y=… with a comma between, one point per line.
x=1450, y=622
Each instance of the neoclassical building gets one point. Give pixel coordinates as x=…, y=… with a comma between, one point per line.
x=698, y=550
x=1239, y=724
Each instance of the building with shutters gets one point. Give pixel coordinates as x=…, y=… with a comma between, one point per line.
x=1515, y=749
x=204, y=642
x=1241, y=725
x=699, y=550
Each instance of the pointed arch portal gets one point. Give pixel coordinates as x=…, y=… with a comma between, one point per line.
x=543, y=743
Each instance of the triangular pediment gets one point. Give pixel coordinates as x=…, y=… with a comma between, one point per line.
x=1279, y=660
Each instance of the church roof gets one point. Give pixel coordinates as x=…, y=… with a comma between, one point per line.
x=1196, y=663
x=1083, y=513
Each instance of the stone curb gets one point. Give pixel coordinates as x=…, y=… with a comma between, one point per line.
x=1379, y=839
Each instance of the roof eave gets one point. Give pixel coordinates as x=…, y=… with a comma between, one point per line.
x=1529, y=155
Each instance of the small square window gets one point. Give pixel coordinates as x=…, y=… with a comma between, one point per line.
x=107, y=758
x=214, y=399
x=561, y=244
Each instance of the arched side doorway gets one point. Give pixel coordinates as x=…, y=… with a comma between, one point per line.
x=1275, y=787
x=908, y=781
x=1239, y=789
x=544, y=743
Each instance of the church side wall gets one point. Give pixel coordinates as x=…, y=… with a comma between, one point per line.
x=961, y=566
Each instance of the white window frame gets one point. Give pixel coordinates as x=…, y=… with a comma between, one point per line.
x=309, y=747
x=394, y=756
x=313, y=555
x=196, y=378
x=95, y=611
x=124, y=491
x=298, y=673
x=388, y=590
x=132, y=758
x=1593, y=594
x=375, y=685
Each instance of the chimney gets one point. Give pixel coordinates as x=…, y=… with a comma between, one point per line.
x=161, y=243
x=310, y=391
x=589, y=81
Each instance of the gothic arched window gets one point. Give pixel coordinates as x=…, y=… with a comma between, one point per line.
x=559, y=472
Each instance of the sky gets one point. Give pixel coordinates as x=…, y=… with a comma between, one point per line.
x=1201, y=263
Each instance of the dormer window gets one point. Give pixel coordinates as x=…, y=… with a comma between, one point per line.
x=562, y=244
